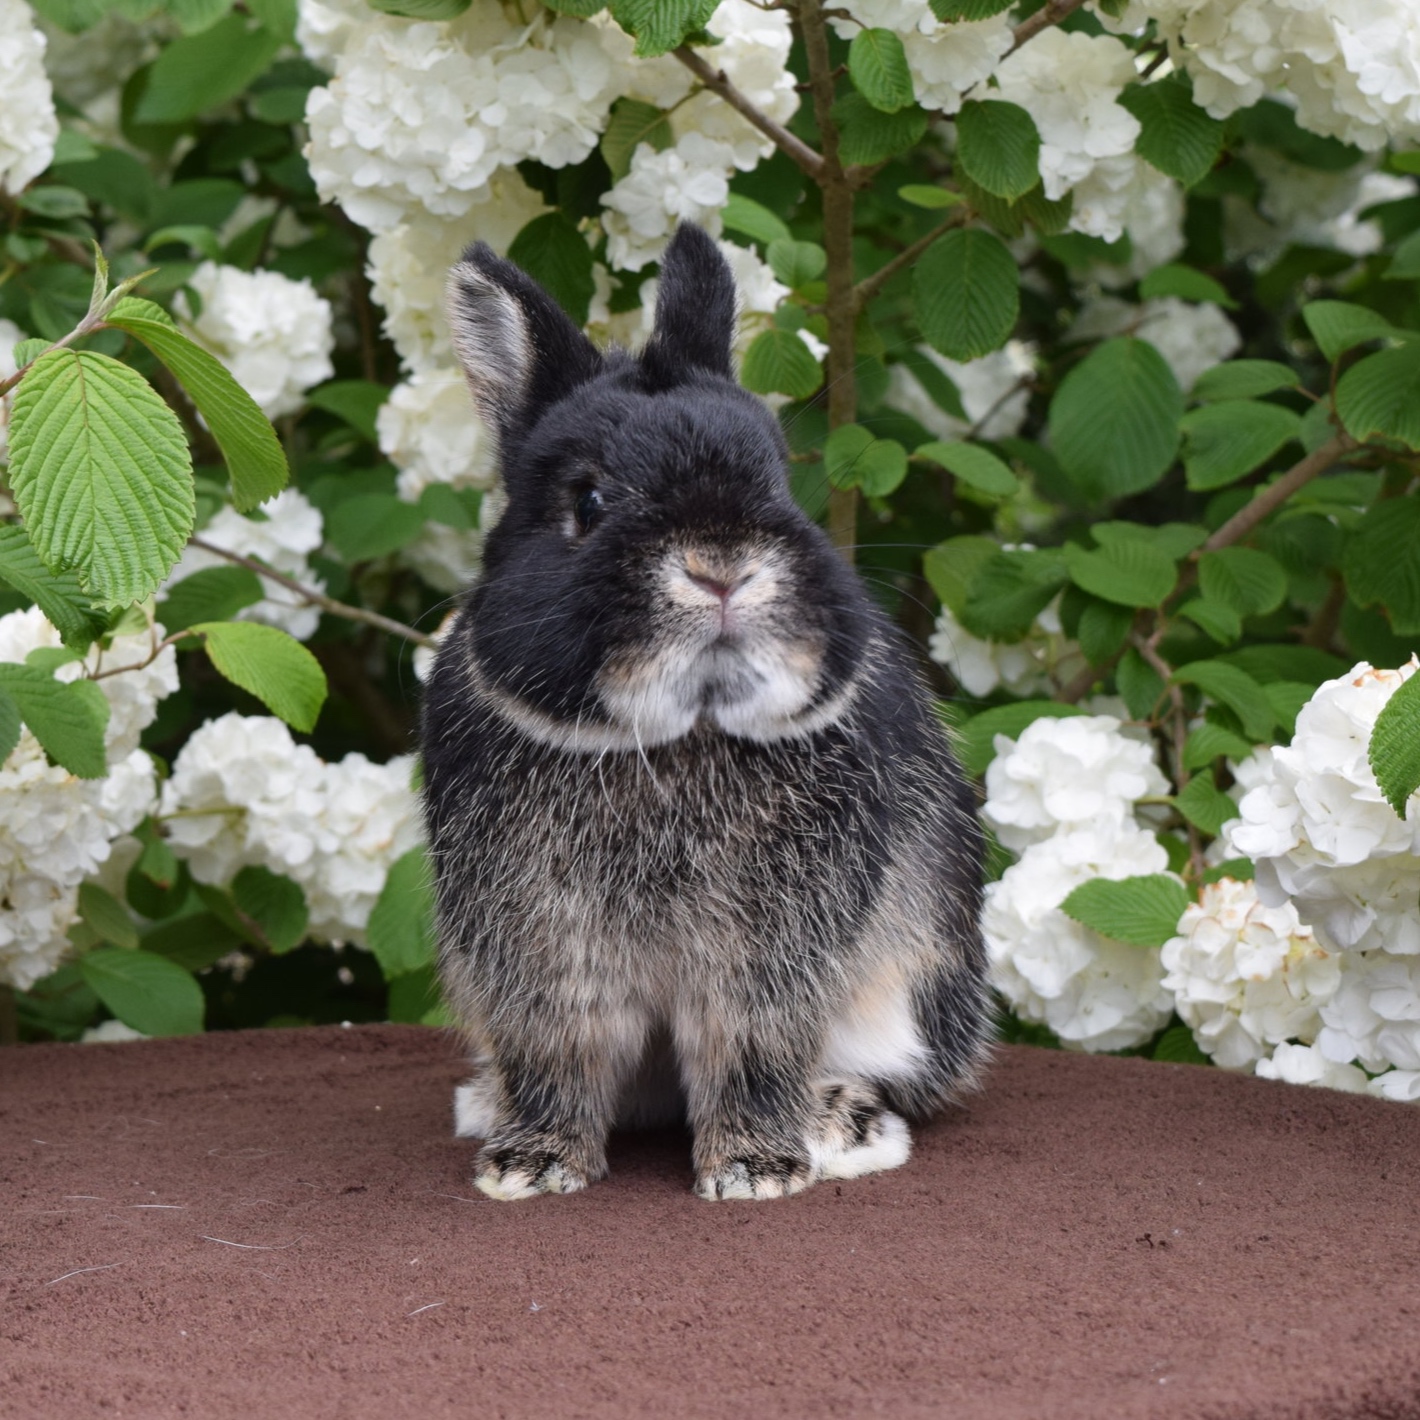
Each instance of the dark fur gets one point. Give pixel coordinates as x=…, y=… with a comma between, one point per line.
x=678, y=924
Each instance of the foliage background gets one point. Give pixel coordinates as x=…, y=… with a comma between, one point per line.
x=1091, y=328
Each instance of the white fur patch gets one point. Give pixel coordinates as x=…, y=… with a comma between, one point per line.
x=888, y=1146
x=736, y=1182
x=877, y=1037
x=519, y=1183
x=475, y=1108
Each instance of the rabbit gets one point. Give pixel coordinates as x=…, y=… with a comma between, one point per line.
x=701, y=850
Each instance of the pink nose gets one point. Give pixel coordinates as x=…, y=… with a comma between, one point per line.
x=723, y=590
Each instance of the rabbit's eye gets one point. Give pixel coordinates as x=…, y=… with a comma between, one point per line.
x=588, y=509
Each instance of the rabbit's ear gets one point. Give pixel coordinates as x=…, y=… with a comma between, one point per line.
x=519, y=350
x=695, y=311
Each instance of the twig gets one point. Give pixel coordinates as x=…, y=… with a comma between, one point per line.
x=869, y=286
x=718, y=82
x=1275, y=494
x=315, y=598
x=1049, y=14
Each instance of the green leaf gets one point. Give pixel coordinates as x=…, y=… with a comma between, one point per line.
x=1405, y=262
x=1205, y=805
x=254, y=456
x=422, y=9
x=778, y=362
x=441, y=503
x=998, y=147
x=68, y=718
x=967, y=292
x=107, y=916
x=929, y=197
x=201, y=72
x=101, y=470
x=9, y=725
x=877, y=65
x=145, y=991
x=1237, y=690
x=1243, y=379
x=975, y=740
x=1286, y=697
x=856, y=458
x=796, y=263
x=1140, y=684
x=28, y=351
x=972, y=464
x=1209, y=742
x=278, y=16
x=1170, y=540
x=632, y=123
x=1114, y=419
x=1299, y=664
x=158, y=863
x=54, y=202
x=1395, y=745
x=936, y=384
x=751, y=219
x=950, y=567
x=1143, y=911
x=271, y=665
x=1382, y=562
x=1177, y=1047
x=1219, y=621
x=1187, y=284
x=1251, y=583
x=1176, y=136
x=275, y=903
x=357, y=402
x=1222, y=442
x=193, y=941
x=1241, y=870
x=194, y=16
x=949, y=10
x=214, y=594
x=1336, y=326
x=1129, y=573
x=371, y=525
x=57, y=595
x=1009, y=591
x=401, y=929
x=202, y=240
x=555, y=254
x=1102, y=630
x=869, y=136
x=1379, y=397
x=661, y=25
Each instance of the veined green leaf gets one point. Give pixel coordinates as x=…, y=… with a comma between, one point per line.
x=972, y=464
x=1250, y=582
x=877, y=65
x=68, y=718
x=1394, y=750
x=554, y=253
x=1131, y=574
x=968, y=294
x=1380, y=396
x=1143, y=911
x=632, y=123
x=401, y=929
x=213, y=594
x=273, y=666
x=57, y=594
x=661, y=25
x=1224, y=441
x=975, y=740
x=145, y=991
x=1177, y=137
x=998, y=147
x=1243, y=379
x=778, y=362
x=275, y=903
x=1237, y=690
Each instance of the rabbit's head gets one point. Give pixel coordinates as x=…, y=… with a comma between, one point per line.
x=652, y=569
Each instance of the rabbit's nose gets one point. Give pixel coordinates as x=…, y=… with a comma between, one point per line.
x=718, y=577
x=723, y=590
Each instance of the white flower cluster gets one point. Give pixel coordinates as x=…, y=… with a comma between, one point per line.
x=28, y=126
x=1191, y=337
x=1351, y=66
x=1042, y=658
x=1063, y=795
x=272, y=333
x=945, y=60
x=1323, y=837
x=243, y=792
x=282, y=534
x=55, y=829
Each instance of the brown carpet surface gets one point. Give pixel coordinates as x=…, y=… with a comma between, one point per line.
x=278, y=1223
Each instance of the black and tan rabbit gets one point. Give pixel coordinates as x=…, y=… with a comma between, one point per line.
x=701, y=848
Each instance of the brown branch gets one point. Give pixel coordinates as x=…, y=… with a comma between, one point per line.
x=718, y=82
x=869, y=286
x=1275, y=494
x=315, y=598
x=1049, y=14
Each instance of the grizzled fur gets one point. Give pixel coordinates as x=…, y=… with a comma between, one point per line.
x=701, y=848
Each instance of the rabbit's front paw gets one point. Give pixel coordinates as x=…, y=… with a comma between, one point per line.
x=524, y=1172
x=755, y=1176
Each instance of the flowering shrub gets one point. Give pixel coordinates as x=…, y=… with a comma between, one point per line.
x=1092, y=327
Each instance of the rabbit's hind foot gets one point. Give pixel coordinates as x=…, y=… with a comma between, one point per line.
x=854, y=1134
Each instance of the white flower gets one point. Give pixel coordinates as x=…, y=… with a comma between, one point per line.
x=109, y=1032
x=1320, y=831
x=1400, y=1085
x=28, y=126
x=1094, y=993
x=10, y=336
x=324, y=27
x=1191, y=337
x=1066, y=774
x=945, y=60
x=1374, y=1017
x=1306, y=1065
x=282, y=533
x=1246, y=977
x=409, y=265
x=420, y=116
x=1026, y=667
x=994, y=390
x=272, y=333
x=243, y=792
x=429, y=431
x=686, y=183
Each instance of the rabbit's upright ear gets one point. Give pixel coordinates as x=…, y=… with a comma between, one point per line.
x=695, y=312
x=519, y=350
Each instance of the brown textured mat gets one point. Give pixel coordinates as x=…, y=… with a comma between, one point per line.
x=273, y=1224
